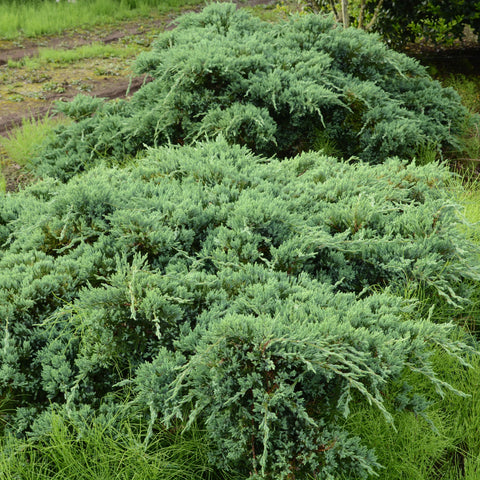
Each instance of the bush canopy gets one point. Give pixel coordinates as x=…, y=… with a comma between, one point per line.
x=165, y=258
x=228, y=288
x=278, y=89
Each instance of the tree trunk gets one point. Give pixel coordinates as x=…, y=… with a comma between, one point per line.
x=361, y=15
x=345, y=19
x=334, y=10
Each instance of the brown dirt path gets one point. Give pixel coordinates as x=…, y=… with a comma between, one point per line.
x=42, y=94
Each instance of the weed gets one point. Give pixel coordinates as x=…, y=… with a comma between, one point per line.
x=23, y=141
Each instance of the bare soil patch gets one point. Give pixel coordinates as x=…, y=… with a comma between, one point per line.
x=33, y=93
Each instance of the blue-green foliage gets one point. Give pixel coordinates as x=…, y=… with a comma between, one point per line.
x=248, y=276
x=273, y=376
x=271, y=87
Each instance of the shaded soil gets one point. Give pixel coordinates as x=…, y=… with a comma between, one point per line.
x=15, y=176
x=463, y=60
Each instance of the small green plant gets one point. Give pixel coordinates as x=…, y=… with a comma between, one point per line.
x=427, y=154
x=324, y=144
x=22, y=142
x=468, y=157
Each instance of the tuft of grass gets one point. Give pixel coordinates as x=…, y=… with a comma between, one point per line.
x=22, y=142
x=467, y=194
x=445, y=446
x=111, y=450
x=427, y=154
x=470, y=199
x=323, y=143
x=469, y=89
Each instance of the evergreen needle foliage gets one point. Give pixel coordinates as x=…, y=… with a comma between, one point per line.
x=233, y=291
x=271, y=87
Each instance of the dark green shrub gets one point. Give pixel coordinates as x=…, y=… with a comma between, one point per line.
x=438, y=21
x=136, y=271
x=400, y=22
x=272, y=87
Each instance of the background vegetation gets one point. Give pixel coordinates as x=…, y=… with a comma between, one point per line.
x=45, y=17
x=437, y=21
x=277, y=88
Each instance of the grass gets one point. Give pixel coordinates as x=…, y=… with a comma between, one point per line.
x=469, y=89
x=67, y=56
x=45, y=17
x=448, y=448
x=106, y=451
x=22, y=142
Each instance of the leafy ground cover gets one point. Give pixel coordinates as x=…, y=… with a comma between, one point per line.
x=295, y=312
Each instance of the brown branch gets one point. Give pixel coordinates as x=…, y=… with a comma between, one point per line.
x=361, y=15
x=375, y=15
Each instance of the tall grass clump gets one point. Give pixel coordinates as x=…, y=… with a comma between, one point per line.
x=107, y=449
x=3, y=184
x=468, y=156
x=442, y=445
x=278, y=89
x=20, y=144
